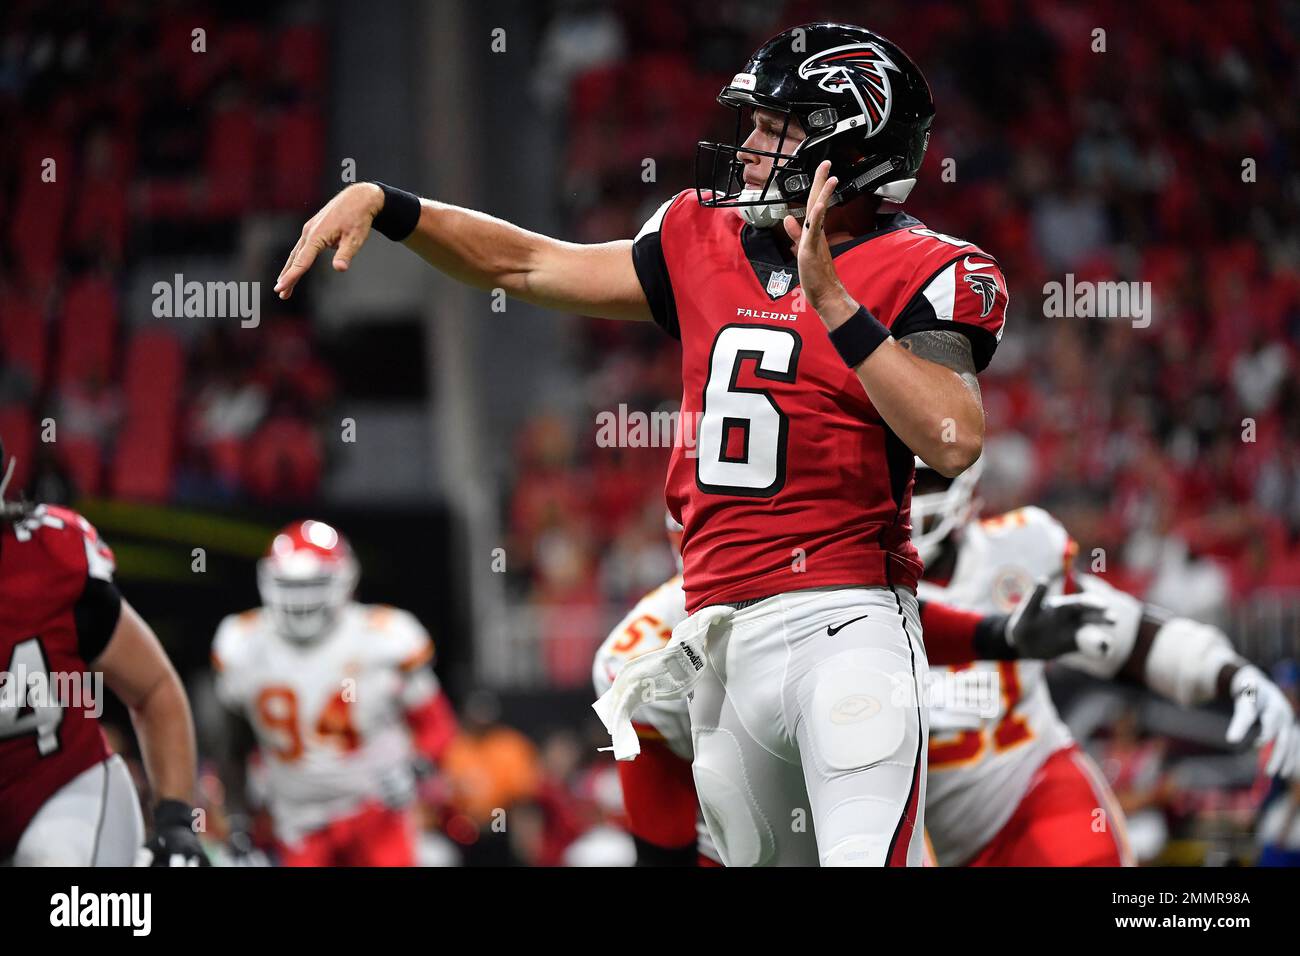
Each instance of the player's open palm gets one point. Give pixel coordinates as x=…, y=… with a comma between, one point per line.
x=817, y=276
x=343, y=224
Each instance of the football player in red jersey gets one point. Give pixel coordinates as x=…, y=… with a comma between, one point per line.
x=659, y=797
x=65, y=799
x=826, y=337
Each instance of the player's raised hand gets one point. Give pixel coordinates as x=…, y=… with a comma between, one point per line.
x=1256, y=699
x=817, y=276
x=343, y=224
x=1042, y=628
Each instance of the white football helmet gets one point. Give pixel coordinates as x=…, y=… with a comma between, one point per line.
x=306, y=579
x=941, y=505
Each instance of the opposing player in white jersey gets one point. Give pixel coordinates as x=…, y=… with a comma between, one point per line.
x=341, y=699
x=659, y=793
x=1008, y=786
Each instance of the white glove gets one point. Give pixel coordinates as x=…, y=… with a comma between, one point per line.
x=1256, y=698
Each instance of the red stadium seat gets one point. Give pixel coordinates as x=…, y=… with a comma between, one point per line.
x=231, y=162
x=24, y=335
x=300, y=56
x=18, y=429
x=84, y=459
x=87, y=330
x=146, y=453
x=296, y=142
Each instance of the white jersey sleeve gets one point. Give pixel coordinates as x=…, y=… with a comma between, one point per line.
x=232, y=651
x=402, y=642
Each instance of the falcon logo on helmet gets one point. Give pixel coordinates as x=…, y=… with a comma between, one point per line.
x=867, y=62
x=858, y=101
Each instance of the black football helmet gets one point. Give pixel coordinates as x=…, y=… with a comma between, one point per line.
x=862, y=102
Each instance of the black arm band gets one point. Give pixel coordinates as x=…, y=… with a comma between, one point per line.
x=858, y=337
x=400, y=215
x=991, y=642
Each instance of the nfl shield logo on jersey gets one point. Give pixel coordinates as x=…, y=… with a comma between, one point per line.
x=778, y=283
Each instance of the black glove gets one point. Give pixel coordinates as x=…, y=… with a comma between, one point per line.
x=174, y=841
x=1038, y=629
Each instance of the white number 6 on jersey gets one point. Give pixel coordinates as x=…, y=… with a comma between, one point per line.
x=757, y=468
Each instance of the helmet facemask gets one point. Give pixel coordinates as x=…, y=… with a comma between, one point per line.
x=303, y=596
x=941, y=507
x=784, y=191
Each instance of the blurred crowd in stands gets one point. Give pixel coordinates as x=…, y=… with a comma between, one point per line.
x=144, y=134
x=1162, y=151
x=1171, y=451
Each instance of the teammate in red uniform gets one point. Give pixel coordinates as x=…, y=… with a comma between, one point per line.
x=65, y=800
x=824, y=341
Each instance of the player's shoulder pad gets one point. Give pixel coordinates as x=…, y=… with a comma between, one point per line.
x=645, y=627
x=684, y=200
x=70, y=541
x=950, y=284
x=397, y=636
x=235, y=640
x=1033, y=536
x=666, y=603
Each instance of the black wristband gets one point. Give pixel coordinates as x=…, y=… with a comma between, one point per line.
x=857, y=338
x=990, y=640
x=400, y=215
x=173, y=813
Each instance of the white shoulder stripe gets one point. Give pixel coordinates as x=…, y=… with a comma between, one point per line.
x=942, y=291
x=655, y=222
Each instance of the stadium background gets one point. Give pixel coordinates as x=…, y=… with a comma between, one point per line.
x=474, y=428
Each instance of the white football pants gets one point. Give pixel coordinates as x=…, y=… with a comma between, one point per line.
x=809, y=740
x=92, y=820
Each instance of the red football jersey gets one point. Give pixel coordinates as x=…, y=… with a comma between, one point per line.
x=784, y=475
x=58, y=609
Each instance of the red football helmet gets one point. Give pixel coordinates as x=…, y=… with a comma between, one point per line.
x=306, y=578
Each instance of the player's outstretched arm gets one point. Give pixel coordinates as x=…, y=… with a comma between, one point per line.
x=476, y=249
x=1040, y=628
x=137, y=670
x=1191, y=664
x=924, y=386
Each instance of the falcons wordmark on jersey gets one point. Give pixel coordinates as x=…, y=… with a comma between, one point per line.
x=794, y=480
